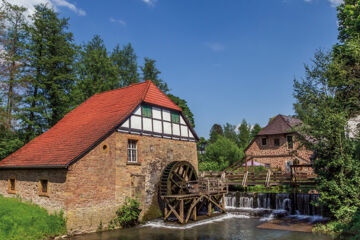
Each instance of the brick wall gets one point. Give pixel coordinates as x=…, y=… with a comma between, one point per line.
x=277, y=156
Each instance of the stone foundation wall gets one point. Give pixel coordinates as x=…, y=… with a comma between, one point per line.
x=27, y=186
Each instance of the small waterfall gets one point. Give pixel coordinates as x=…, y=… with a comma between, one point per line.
x=246, y=202
x=285, y=203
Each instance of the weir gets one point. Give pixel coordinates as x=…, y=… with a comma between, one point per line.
x=292, y=203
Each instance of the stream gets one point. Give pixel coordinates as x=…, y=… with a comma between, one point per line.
x=246, y=211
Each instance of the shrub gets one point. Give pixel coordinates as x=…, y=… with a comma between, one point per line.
x=128, y=214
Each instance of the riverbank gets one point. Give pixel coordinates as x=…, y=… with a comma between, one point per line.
x=25, y=220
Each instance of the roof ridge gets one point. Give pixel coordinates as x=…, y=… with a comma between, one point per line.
x=116, y=89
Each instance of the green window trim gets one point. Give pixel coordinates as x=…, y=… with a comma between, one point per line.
x=147, y=111
x=175, y=117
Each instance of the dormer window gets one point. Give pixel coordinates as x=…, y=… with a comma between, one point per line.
x=263, y=141
x=175, y=117
x=146, y=111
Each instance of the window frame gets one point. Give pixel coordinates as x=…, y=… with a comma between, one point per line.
x=130, y=151
x=290, y=144
x=146, y=109
x=10, y=185
x=41, y=192
x=262, y=141
x=177, y=117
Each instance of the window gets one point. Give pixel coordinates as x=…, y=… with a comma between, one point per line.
x=290, y=142
x=44, y=187
x=132, y=151
x=12, y=185
x=175, y=117
x=146, y=111
x=267, y=165
x=263, y=141
x=276, y=142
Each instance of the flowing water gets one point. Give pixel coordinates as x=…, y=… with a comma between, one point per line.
x=235, y=225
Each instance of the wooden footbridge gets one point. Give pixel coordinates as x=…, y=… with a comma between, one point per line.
x=184, y=196
x=271, y=177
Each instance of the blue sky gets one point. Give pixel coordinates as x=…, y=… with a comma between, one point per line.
x=230, y=59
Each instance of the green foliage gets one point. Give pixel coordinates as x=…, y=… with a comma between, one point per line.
x=186, y=110
x=151, y=72
x=255, y=130
x=230, y=133
x=125, y=61
x=245, y=135
x=10, y=141
x=220, y=154
x=327, y=97
x=25, y=221
x=215, y=131
x=96, y=71
x=128, y=214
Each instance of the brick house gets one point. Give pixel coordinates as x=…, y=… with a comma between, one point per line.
x=276, y=145
x=113, y=146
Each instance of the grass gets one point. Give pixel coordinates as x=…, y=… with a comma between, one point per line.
x=27, y=221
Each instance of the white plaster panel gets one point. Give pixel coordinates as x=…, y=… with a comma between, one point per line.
x=182, y=121
x=125, y=124
x=184, y=131
x=136, y=122
x=157, y=126
x=166, y=115
x=156, y=113
x=138, y=110
x=176, y=129
x=147, y=124
x=191, y=135
x=167, y=128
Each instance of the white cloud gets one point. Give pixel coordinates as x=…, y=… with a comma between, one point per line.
x=333, y=3
x=216, y=47
x=55, y=4
x=119, y=21
x=150, y=2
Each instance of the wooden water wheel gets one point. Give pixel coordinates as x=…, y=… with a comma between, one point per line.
x=176, y=177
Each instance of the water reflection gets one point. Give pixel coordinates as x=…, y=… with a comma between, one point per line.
x=228, y=228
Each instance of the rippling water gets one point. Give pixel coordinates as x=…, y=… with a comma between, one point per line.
x=227, y=226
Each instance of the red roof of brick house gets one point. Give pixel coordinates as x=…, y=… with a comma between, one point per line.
x=280, y=124
x=86, y=126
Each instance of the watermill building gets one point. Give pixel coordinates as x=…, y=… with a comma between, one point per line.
x=113, y=146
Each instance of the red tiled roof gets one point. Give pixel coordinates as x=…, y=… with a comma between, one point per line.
x=279, y=125
x=83, y=127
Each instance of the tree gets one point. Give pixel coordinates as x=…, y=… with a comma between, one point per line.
x=215, y=131
x=244, y=134
x=51, y=55
x=12, y=57
x=325, y=114
x=255, y=130
x=348, y=20
x=125, y=61
x=220, y=154
x=96, y=71
x=230, y=132
x=186, y=110
x=150, y=72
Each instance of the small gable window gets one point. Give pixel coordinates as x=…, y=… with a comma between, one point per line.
x=290, y=142
x=175, y=117
x=12, y=185
x=146, y=111
x=263, y=141
x=276, y=142
x=44, y=187
x=132, y=151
